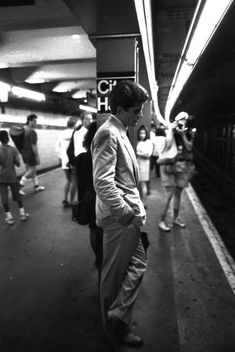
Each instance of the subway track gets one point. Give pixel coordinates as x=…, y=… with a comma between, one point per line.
x=218, y=206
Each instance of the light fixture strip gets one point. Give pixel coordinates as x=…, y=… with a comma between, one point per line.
x=207, y=17
x=26, y=93
x=87, y=108
x=4, y=90
x=208, y=22
x=143, y=11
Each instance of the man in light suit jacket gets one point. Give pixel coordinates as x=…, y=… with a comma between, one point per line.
x=119, y=211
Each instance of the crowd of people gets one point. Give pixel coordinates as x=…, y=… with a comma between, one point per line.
x=110, y=180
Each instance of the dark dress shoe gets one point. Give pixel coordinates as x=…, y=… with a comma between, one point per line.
x=132, y=340
x=116, y=328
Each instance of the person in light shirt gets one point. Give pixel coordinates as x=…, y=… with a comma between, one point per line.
x=78, y=139
x=80, y=133
x=61, y=147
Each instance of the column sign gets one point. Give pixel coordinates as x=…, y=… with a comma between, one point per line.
x=104, y=87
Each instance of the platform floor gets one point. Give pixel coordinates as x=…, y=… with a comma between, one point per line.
x=48, y=286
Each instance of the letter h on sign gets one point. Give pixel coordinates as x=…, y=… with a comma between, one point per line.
x=104, y=87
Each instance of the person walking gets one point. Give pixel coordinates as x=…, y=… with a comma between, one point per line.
x=144, y=151
x=61, y=147
x=30, y=155
x=120, y=212
x=9, y=158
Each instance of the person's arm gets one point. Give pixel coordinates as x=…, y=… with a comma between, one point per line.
x=188, y=144
x=16, y=158
x=140, y=152
x=169, y=137
x=35, y=150
x=104, y=156
x=33, y=139
x=146, y=150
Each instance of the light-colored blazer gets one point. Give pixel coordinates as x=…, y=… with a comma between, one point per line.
x=115, y=173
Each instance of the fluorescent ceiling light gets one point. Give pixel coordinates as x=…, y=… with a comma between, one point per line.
x=4, y=86
x=87, y=108
x=26, y=93
x=207, y=17
x=79, y=94
x=3, y=65
x=143, y=11
x=211, y=16
x=35, y=80
x=75, y=36
x=4, y=90
x=60, y=89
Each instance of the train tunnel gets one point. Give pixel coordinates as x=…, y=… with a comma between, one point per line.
x=62, y=57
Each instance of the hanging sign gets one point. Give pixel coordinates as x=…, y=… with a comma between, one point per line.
x=104, y=87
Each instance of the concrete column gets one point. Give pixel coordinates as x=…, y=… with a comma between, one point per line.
x=117, y=59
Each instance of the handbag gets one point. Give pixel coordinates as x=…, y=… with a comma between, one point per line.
x=169, y=169
x=167, y=155
x=145, y=240
x=180, y=167
x=191, y=171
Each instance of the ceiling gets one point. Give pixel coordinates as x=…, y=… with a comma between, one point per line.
x=46, y=45
x=171, y=21
x=49, y=46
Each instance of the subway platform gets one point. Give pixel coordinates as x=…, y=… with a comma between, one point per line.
x=48, y=286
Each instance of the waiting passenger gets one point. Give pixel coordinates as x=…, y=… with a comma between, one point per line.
x=144, y=151
x=75, y=148
x=120, y=212
x=174, y=172
x=80, y=133
x=87, y=195
x=61, y=147
x=157, y=137
x=30, y=154
x=9, y=158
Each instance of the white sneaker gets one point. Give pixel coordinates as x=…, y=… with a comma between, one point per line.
x=39, y=188
x=22, y=193
x=10, y=221
x=24, y=217
x=162, y=226
x=179, y=223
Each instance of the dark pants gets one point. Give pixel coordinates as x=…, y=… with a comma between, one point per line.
x=154, y=165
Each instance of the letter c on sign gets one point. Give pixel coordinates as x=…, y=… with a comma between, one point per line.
x=105, y=84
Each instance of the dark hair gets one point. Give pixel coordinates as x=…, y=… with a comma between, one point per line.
x=126, y=94
x=31, y=117
x=143, y=128
x=84, y=113
x=90, y=135
x=160, y=132
x=71, y=121
x=4, y=138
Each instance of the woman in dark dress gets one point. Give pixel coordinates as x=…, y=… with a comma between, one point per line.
x=86, y=193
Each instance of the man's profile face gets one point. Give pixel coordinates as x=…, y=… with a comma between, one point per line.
x=87, y=120
x=131, y=116
x=33, y=123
